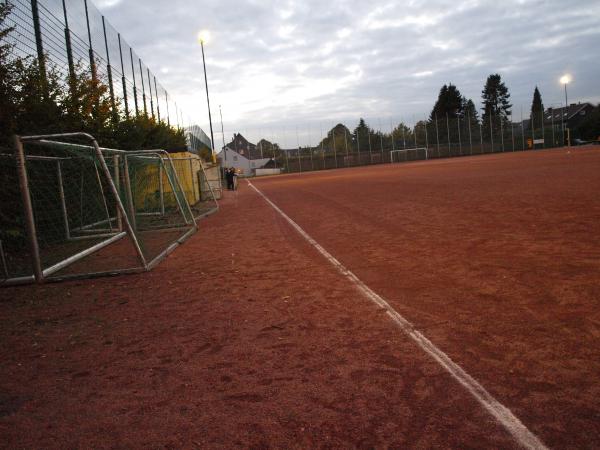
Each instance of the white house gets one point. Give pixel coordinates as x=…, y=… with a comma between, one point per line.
x=242, y=155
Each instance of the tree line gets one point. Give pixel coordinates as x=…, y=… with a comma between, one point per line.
x=451, y=107
x=42, y=101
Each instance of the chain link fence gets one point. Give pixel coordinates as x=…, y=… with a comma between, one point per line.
x=73, y=35
x=441, y=137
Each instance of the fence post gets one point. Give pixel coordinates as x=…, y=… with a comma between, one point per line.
x=481, y=136
x=27, y=206
x=168, y=114
x=448, y=131
x=69, y=48
x=143, y=88
x=150, y=88
x=459, y=138
x=90, y=49
x=470, y=136
x=437, y=134
x=111, y=90
x=135, y=94
x=543, y=129
x=123, y=78
x=157, y=102
x=502, y=131
x=512, y=131
x=39, y=45
x=334, y=150
x=346, y=144
x=491, y=131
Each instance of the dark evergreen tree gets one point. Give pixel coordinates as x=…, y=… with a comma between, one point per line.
x=496, y=104
x=537, y=110
x=470, y=112
x=361, y=135
x=449, y=101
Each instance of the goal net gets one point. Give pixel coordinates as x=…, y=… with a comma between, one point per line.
x=409, y=154
x=88, y=211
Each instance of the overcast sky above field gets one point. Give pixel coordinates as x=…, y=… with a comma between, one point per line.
x=276, y=63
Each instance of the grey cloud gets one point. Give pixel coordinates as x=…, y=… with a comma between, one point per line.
x=272, y=63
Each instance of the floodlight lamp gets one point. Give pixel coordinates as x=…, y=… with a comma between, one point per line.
x=203, y=36
x=565, y=79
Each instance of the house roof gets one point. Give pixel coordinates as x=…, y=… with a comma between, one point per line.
x=242, y=146
x=566, y=112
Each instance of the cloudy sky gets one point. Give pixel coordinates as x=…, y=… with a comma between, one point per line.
x=277, y=65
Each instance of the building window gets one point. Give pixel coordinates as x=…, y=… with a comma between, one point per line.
x=235, y=158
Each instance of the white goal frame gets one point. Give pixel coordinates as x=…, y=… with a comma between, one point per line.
x=406, y=150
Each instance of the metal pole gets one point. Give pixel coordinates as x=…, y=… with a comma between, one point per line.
x=370, y=149
x=212, y=140
x=543, y=129
x=150, y=88
x=39, y=45
x=448, y=131
x=168, y=114
x=111, y=90
x=123, y=79
x=459, y=139
x=108, y=219
x=157, y=101
x=426, y=138
x=69, y=49
x=491, y=132
x=28, y=209
x=128, y=194
x=322, y=150
x=128, y=225
x=502, y=131
x=135, y=94
x=552, y=119
x=481, y=136
x=91, y=50
x=470, y=136
x=298, y=154
x=512, y=131
x=437, y=134
x=532, y=130
x=334, y=150
x=223, y=137
x=566, y=114
x=118, y=187
x=143, y=87
x=346, y=144
x=63, y=204
x=522, y=131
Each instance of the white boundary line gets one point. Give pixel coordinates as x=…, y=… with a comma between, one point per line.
x=500, y=412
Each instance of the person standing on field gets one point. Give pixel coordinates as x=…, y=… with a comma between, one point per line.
x=229, y=178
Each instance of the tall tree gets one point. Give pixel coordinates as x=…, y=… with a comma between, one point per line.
x=449, y=101
x=496, y=102
x=537, y=109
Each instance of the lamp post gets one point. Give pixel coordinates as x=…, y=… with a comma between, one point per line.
x=223, y=136
x=566, y=79
x=203, y=37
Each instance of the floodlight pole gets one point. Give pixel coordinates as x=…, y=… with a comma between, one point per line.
x=564, y=121
x=223, y=136
x=212, y=139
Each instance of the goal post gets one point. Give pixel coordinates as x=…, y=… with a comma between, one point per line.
x=89, y=211
x=409, y=154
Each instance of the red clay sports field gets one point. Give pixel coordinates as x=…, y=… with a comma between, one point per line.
x=450, y=303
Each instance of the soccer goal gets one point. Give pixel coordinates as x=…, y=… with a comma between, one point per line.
x=409, y=154
x=83, y=211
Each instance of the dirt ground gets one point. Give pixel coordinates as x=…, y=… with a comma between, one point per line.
x=246, y=337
